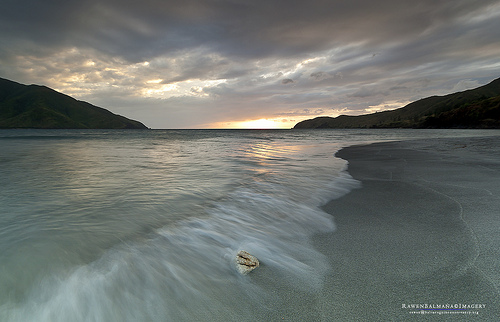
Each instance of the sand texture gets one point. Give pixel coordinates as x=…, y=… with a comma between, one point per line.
x=424, y=228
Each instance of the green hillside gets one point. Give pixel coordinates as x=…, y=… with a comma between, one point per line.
x=475, y=108
x=33, y=106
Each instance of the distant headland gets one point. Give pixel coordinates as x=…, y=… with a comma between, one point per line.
x=476, y=108
x=39, y=107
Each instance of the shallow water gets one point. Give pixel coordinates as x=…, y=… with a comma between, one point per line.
x=145, y=225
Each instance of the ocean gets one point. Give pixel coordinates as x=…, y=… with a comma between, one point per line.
x=144, y=225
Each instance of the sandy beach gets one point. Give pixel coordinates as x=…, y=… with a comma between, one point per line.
x=421, y=233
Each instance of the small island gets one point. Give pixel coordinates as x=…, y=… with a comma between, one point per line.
x=39, y=107
x=477, y=108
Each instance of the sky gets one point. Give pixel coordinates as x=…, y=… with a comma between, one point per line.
x=249, y=63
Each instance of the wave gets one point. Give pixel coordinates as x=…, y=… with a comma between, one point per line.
x=185, y=271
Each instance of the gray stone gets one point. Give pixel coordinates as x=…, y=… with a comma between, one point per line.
x=245, y=263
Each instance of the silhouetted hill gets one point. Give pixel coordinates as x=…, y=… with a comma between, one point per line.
x=33, y=106
x=475, y=108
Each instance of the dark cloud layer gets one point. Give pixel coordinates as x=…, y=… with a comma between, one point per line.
x=338, y=54
x=139, y=30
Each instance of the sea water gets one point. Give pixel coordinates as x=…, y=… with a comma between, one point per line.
x=144, y=225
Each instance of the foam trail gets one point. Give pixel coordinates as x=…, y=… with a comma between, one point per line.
x=186, y=272
x=147, y=228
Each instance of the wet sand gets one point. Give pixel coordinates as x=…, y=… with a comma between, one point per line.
x=424, y=228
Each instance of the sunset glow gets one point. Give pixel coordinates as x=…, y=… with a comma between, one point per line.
x=261, y=124
x=258, y=124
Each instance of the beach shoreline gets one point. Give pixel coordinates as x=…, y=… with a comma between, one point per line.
x=421, y=233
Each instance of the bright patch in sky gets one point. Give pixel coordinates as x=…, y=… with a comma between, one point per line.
x=258, y=124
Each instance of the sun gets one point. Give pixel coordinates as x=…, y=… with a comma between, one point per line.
x=258, y=124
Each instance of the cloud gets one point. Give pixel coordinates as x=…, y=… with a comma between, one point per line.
x=319, y=76
x=140, y=31
x=230, y=59
x=366, y=91
x=465, y=84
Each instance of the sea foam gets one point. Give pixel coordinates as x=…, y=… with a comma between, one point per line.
x=184, y=270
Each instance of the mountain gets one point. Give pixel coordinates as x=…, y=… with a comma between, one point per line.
x=33, y=106
x=474, y=108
